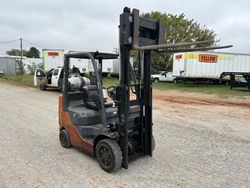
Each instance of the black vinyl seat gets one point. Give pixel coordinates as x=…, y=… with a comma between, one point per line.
x=82, y=116
x=91, y=98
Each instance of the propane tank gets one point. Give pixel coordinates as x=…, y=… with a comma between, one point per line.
x=76, y=82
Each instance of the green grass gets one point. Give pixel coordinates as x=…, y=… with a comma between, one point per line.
x=110, y=81
x=220, y=90
x=26, y=80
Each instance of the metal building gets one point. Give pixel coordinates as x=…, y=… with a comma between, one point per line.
x=7, y=65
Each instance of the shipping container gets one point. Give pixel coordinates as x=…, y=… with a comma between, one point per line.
x=208, y=65
x=8, y=65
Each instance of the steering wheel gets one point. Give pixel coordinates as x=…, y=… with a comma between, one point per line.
x=112, y=92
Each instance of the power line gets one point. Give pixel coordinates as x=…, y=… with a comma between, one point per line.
x=8, y=41
x=32, y=43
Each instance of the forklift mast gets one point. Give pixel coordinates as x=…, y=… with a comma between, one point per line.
x=144, y=35
x=136, y=31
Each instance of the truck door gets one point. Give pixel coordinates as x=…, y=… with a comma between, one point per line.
x=55, y=77
x=40, y=77
x=163, y=76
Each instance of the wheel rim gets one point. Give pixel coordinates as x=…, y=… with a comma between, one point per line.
x=105, y=157
x=63, y=139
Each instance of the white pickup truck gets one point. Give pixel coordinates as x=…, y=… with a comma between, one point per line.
x=163, y=76
x=54, y=78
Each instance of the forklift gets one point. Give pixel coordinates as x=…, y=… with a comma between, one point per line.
x=119, y=128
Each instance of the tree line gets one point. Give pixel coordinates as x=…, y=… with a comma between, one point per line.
x=33, y=52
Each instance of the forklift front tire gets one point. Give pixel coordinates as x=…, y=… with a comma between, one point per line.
x=109, y=155
x=64, y=138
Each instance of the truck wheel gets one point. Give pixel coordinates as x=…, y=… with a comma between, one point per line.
x=175, y=81
x=43, y=88
x=64, y=138
x=109, y=155
x=156, y=80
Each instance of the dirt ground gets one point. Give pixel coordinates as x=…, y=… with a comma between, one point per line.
x=201, y=141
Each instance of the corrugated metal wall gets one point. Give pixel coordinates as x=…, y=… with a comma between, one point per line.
x=8, y=65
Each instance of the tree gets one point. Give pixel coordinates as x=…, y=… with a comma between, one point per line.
x=33, y=53
x=20, y=67
x=178, y=29
x=16, y=52
x=31, y=68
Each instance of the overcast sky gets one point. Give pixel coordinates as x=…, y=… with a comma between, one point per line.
x=93, y=24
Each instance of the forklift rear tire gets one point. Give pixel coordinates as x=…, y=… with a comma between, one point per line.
x=109, y=155
x=64, y=138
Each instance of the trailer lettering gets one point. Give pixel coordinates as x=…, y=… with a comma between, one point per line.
x=177, y=57
x=206, y=58
x=53, y=53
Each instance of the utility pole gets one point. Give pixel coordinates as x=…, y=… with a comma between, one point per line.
x=21, y=48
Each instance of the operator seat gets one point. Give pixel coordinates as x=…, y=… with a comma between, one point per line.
x=91, y=98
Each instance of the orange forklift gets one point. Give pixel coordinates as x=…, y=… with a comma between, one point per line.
x=118, y=128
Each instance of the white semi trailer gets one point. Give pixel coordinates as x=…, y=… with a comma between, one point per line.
x=209, y=65
x=107, y=67
x=52, y=58
x=111, y=66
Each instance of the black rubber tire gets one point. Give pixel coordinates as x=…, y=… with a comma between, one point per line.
x=64, y=139
x=43, y=88
x=175, y=81
x=156, y=80
x=108, y=151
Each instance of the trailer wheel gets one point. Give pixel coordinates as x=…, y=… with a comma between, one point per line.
x=156, y=80
x=109, y=155
x=42, y=87
x=64, y=138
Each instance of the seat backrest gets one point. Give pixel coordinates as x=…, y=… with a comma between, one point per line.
x=91, y=97
x=90, y=93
